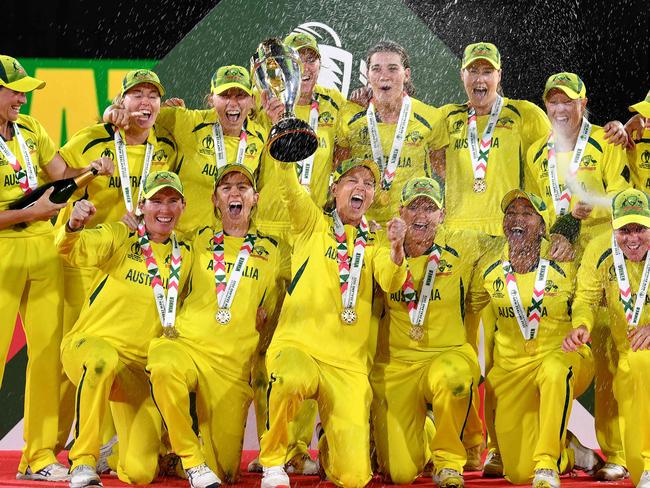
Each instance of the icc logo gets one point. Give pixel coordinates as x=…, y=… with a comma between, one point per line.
x=107, y=153
x=336, y=62
x=497, y=286
x=207, y=142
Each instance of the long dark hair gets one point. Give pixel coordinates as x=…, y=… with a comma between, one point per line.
x=388, y=46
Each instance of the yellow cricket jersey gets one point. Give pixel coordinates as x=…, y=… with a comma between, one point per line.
x=120, y=307
x=41, y=151
x=272, y=215
x=310, y=319
x=602, y=170
x=597, y=286
x=425, y=132
x=104, y=192
x=489, y=289
x=520, y=124
x=443, y=324
x=638, y=160
x=230, y=347
x=197, y=166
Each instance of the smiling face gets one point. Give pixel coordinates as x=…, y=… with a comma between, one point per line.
x=387, y=75
x=232, y=106
x=481, y=81
x=564, y=113
x=522, y=225
x=634, y=241
x=310, y=71
x=143, y=98
x=235, y=198
x=422, y=217
x=10, y=103
x=162, y=211
x=354, y=193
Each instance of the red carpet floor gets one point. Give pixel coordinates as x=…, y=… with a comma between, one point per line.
x=9, y=461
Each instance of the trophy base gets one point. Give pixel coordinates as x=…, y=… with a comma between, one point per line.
x=292, y=140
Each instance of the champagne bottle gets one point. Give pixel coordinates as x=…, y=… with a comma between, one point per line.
x=63, y=190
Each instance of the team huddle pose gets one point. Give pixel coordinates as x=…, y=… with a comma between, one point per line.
x=192, y=274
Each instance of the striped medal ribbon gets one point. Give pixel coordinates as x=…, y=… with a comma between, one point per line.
x=529, y=325
x=389, y=167
x=125, y=176
x=220, y=145
x=306, y=166
x=479, y=155
x=349, y=272
x=418, y=308
x=562, y=198
x=26, y=177
x=166, y=306
x=226, y=289
x=631, y=315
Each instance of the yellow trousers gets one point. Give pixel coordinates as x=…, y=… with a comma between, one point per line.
x=343, y=402
x=401, y=394
x=32, y=286
x=533, y=406
x=103, y=378
x=222, y=402
x=631, y=388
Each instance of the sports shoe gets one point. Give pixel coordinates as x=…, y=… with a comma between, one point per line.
x=611, y=472
x=546, y=478
x=254, y=466
x=448, y=478
x=585, y=459
x=644, y=481
x=83, y=476
x=493, y=465
x=202, y=477
x=473, y=462
x=51, y=472
x=275, y=477
x=301, y=464
x=104, y=452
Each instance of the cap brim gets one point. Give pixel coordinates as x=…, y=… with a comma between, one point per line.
x=240, y=168
x=412, y=198
x=494, y=64
x=631, y=219
x=373, y=169
x=227, y=86
x=161, y=90
x=642, y=107
x=568, y=91
x=511, y=196
x=24, y=85
x=156, y=189
x=311, y=48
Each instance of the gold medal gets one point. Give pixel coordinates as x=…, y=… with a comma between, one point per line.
x=416, y=333
x=170, y=331
x=530, y=346
x=349, y=316
x=479, y=185
x=223, y=316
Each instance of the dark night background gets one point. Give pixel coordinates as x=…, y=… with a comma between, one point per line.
x=605, y=42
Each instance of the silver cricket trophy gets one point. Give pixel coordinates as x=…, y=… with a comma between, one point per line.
x=278, y=71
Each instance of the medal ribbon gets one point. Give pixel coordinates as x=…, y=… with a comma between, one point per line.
x=479, y=155
x=562, y=199
x=27, y=177
x=220, y=145
x=632, y=316
x=418, y=309
x=350, y=273
x=307, y=165
x=166, y=307
x=390, y=168
x=123, y=168
x=226, y=291
x=528, y=325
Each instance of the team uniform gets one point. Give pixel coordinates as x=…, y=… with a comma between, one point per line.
x=638, y=160
x=441, y=369
x=425, y=132
x=597, y=284
x=213, y=359
x=313, y=354
x=602, y=170
x=197, y=165
x=534, y=381
x=32, y=285
x=105, y=353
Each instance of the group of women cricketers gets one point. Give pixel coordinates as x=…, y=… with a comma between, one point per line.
x=195, y=275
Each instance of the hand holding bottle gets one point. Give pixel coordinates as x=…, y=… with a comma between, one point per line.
x=104, y=166
x=44, y=208
x=82, y=212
